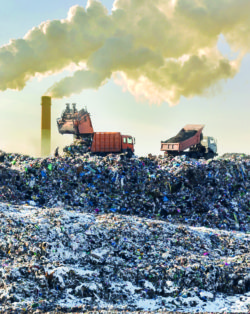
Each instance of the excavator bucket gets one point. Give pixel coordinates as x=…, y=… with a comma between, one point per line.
x=66, y=127
x=75, y=122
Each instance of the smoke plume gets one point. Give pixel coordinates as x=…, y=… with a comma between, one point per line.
x=157, y=49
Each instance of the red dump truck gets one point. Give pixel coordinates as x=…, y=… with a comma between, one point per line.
x=79, y=124
x=191, y=142
x=115, y=142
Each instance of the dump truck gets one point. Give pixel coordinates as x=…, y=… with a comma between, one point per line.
x=190, y=142
x=80, y=125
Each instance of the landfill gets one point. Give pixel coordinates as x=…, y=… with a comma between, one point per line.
x=81, y=232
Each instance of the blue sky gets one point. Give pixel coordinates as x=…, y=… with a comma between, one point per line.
x=225, y=112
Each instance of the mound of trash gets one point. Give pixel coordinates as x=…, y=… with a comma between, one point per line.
x=81, y=232
x=181, y=136
x=57, y=259
x=210, y=193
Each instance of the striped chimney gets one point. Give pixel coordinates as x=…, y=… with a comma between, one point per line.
x=46, y=126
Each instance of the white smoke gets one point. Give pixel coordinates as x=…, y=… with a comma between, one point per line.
x=157, y=49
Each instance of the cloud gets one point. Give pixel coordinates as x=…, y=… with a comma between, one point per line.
x=159, y=49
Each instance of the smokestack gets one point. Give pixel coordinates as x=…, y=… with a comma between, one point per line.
x=46, y=126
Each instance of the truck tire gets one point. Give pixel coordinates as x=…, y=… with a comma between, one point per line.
x=210, y=155
x=193, y=155
x=129, y=153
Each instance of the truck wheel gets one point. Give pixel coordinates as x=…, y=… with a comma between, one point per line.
x=193, y=155
x=210, y=155
x=129, y=153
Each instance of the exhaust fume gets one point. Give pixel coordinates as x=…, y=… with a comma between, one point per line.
x=158, y=50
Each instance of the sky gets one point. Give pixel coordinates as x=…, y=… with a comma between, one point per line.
x=145, y=68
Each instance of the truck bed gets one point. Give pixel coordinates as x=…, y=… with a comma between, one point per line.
x=188, y=136
x=106, y=142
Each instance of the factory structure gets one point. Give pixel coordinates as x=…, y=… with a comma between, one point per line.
x=46, y=126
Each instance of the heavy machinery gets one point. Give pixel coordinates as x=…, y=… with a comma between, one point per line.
x=79, y=124
x=191, y=142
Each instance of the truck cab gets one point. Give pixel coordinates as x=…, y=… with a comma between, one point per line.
x=210, y=144
x=128, y=143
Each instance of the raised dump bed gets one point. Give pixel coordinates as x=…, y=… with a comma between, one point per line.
x=189, y=136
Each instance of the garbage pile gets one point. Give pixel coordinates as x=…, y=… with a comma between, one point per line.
x=69, y=261
x=181, y=136
x=78, y=147
x=210, y=193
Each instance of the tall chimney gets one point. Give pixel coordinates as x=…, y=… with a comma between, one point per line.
x=46, y=126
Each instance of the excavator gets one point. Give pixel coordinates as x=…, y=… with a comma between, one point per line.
x=80, y=125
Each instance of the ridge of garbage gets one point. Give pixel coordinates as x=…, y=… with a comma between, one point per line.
x=83, y=233
x=212, y=193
